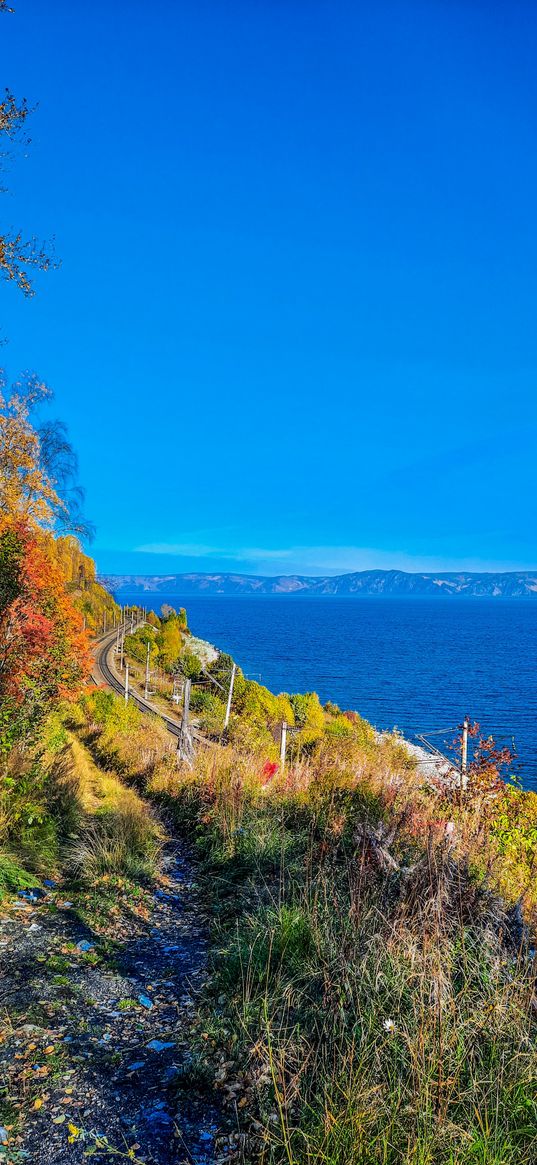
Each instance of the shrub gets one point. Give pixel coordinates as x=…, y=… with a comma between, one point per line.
x=125, y=841
x=12, y=876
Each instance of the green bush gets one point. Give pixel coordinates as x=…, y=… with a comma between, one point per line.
x=12, y=876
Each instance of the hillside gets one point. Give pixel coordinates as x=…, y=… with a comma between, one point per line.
x=217, y=960
x=88, y=596
x=507, y=585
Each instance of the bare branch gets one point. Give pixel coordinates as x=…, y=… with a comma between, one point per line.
x=16, y=256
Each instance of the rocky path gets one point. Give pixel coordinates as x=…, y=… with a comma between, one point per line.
x=96, y=1057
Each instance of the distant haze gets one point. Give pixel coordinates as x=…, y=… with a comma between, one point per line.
x=461, y=584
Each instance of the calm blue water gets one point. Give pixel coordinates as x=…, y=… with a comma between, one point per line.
x=418, y=664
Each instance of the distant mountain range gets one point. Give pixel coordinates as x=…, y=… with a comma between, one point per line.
x=508, y=585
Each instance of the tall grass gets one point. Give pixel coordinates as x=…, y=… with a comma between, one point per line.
x=60, y=811
x=117, y=833
x=376, y=994
x=370, y=946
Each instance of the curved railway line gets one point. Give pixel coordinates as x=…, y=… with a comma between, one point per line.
x=103, y=672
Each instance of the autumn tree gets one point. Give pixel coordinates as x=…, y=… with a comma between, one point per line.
x=170, y=642
x=43, y=649
x=37, y=463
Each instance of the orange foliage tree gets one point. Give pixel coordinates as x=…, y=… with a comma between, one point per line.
x=44, y=651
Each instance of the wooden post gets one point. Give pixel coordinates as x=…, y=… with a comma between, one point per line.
x=464, y=754
x=147, y=670
x=283, y=743
x=185, y=746
x=230, y=695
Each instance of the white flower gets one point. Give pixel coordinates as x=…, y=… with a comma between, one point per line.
x=388, y=1025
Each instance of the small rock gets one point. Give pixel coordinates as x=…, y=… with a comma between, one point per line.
x=158, y=1116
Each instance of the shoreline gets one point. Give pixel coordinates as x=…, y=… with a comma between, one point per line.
x=433, y=767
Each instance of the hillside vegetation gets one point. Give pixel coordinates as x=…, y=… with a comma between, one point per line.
x=372, y=987
x=98, y=608
x=371, y=943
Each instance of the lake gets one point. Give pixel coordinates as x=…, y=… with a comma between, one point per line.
x=418, y=664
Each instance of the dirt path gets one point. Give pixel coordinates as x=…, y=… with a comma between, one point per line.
x=98, y=1033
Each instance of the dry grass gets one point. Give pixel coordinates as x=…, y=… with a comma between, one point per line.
x=379, y=990
x=117, y=832
x=380, y=994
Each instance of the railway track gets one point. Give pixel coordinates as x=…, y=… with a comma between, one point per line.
x=104, y=672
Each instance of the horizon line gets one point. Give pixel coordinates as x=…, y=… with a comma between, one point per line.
x=297, y=575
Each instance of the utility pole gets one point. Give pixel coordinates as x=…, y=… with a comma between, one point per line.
x=185, y=747
x=283, y=743
x=147, y=670
x=464, y=754
x=122, y=660
x=126, y=683
x=230, y=695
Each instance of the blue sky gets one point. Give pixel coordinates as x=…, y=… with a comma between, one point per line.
x=294, y=326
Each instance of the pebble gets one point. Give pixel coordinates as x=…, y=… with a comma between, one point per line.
x=158, y=1116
